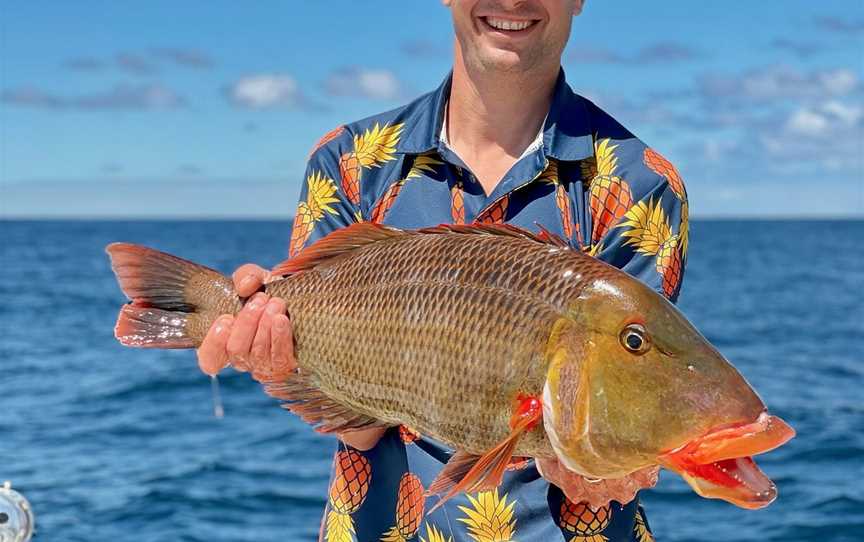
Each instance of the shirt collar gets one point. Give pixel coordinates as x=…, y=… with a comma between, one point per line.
x=566, y=133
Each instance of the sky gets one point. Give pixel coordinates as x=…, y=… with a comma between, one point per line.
x=209, y=109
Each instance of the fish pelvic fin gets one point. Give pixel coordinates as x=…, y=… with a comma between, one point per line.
x=466, y=472
x=301, y=396
x=174, y=301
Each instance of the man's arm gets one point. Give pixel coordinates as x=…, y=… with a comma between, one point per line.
x=260, y=339
x=650, y=240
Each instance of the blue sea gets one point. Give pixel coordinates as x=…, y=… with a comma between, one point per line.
x=111, y=443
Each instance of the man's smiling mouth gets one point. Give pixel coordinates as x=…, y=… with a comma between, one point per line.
x=507, y=25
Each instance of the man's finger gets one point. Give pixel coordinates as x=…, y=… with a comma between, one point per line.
x=212, y=354
x=248, y=278
x=259, y=358
x=282, y=348
x=244, y=328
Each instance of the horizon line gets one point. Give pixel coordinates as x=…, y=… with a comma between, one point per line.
x=275, y=218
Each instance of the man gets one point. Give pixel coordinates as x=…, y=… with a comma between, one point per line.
x=503, y=139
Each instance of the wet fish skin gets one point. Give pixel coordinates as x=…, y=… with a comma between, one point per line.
x=442, y=329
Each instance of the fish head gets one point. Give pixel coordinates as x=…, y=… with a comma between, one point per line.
x=632, y=383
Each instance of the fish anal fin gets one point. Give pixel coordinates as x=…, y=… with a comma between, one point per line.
x=341, y=241
x=470, y=473
x=314, y=407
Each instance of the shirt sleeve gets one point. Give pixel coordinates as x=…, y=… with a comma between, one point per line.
x=324, y=205
x=648, y=236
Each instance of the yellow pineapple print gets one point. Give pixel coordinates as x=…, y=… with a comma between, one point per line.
x=410, y=503
x=490, y=517
x=347, y=493
x=663, y=167
x=641, y=530
x=550, y=175
x=375, y=147
x=457, y=203
x=650, y=234
x=321, y=193
x=434, y=535
x=586, y=522
x=610, y=195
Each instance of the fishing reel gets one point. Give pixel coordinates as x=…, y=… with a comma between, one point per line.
x=16, y=516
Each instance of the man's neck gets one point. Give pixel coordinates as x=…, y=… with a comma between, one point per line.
x=493, y=117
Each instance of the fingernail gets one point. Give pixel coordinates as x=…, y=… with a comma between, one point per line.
x=256, y=302
x=274, y=307
x=280, y=323
x=245, y=281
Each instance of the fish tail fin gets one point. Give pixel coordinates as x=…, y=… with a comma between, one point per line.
x=174, y=301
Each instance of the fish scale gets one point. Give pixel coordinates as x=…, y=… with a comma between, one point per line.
x=428, y=330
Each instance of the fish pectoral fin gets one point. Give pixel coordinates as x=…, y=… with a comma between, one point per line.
x=453, y=473
x=302, y=397
x=466, y=472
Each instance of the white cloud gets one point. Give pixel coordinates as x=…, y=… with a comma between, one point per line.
x=845, y=113
x=376, y=84
x=838, y=82
x=830, y=117
x=264, y=91
x=779, y=82
x=807, y=122
x=120, y=97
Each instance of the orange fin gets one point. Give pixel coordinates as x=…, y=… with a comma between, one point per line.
x=477, y=228
x=339, y=242
x=345, y=240
x=549, y=237
x=314, y=407
x=470, y=473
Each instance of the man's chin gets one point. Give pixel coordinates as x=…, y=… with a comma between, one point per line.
x=504, y=61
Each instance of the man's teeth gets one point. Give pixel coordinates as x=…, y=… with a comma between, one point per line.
x=504, y=24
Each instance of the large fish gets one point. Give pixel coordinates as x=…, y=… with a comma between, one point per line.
x=491, y=339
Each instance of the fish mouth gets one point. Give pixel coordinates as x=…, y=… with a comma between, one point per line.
x=718, y=465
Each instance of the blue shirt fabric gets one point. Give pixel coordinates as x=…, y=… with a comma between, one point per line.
x=588, y=180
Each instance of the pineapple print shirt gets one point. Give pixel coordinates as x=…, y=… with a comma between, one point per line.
x=587, y=179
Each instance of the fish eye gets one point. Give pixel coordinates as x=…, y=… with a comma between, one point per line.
x=635, y=339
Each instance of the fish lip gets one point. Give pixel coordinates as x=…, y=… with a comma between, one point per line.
x=718, y=464
x=731, y=441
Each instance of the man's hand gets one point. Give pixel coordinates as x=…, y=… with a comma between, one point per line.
x=260, y=340
x=596, y=493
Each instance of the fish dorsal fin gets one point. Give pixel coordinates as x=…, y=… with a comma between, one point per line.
x=303, y=398
x=341, y=241
x=466, y=472
x=549, y=237
x=345, y=240
x=477, y=228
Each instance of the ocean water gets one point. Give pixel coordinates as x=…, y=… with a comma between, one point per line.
x=111, y=443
